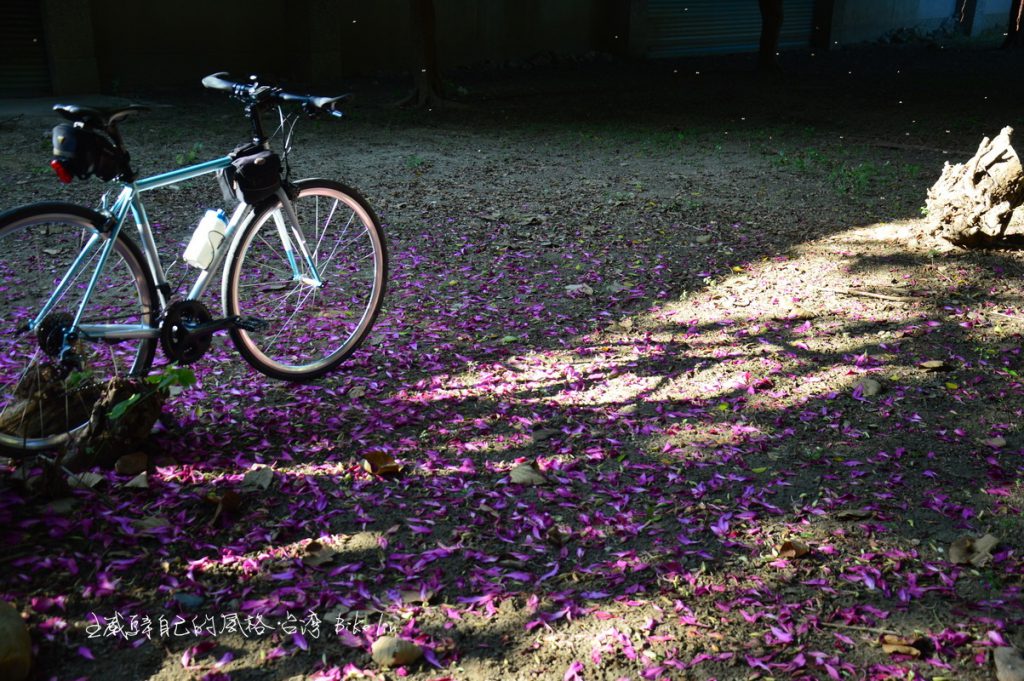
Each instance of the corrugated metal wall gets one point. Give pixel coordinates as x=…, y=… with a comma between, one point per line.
x=23, y=60
x=677, y=28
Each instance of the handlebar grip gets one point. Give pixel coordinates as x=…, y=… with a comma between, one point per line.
x=329, y=105
x=313, y=104
x=215, y=82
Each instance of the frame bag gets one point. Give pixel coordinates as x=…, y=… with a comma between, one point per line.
x=255, y=176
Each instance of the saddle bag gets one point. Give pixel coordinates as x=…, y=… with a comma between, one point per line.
x=84, y=152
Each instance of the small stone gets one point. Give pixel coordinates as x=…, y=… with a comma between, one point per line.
x=527, y=474
x=86, y=480
x=132, y=464
x=391, y=651
x=189, y=602
x=15, y=645
x=869, y=387
x=1009, y=664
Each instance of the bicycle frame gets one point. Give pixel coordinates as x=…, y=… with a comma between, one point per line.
x=129, y=201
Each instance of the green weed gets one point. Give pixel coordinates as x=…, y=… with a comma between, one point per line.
x=191, y=156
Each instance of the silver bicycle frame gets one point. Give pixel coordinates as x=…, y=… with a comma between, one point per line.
x=129, y=201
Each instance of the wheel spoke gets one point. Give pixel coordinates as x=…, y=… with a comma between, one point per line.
x=44, y=398
x=314, y=325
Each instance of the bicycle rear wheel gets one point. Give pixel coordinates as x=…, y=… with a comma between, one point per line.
x=311, y=327
x=43, y=400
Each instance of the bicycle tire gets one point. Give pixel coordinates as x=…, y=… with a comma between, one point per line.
x=312, y=329
x=42, y=401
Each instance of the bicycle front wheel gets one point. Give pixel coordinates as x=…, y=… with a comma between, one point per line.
x=312, y=318
x=48, y=386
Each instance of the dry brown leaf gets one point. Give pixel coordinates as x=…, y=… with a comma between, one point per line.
x=904, y=645
x=793, y=548
x=317, y=554
x=380, y=463
x=258, y=478
x=150, y=523
x=412, y=596
x=85, y=480
x=995, y=442
x=140, y=481
x=527, y=474
x=542, y=434
x=986, y=543
x=854, y=514
x=935, y=365
x=961, y=550
x=970, y=551
x=582, y=289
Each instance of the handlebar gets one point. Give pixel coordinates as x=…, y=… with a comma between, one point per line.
x=261, y=95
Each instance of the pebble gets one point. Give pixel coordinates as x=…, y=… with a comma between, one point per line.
x=391, y=651
x=15, y=645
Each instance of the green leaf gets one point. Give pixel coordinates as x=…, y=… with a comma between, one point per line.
x=173, y=376
x=123, y=406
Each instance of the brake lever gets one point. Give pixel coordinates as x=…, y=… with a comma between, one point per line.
x=313, y=111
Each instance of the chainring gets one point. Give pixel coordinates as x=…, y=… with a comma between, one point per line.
x=179, y=319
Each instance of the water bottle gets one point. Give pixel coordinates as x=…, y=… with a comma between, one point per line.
x=206, y=239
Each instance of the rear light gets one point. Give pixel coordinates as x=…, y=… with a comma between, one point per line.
x=62, y=173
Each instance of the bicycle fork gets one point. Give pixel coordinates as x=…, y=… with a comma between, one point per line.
x=313, y=279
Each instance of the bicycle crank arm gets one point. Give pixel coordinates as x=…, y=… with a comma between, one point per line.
x=207, y=329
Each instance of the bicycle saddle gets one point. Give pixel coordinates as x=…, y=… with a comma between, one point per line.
x=96, y=117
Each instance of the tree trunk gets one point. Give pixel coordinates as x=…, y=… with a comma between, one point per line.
x=426, y=78
x=971, y=204
x=771, y=28
x=1014, y=37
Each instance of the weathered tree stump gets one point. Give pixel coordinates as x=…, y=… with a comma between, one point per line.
x=45, y=405
x=106, y=439
x=972, y=203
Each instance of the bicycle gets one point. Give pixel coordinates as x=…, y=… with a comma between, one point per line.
x=303, y=278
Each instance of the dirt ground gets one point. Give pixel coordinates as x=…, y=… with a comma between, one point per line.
x=763, y=403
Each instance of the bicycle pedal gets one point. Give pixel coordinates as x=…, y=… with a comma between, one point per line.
x=251, y=324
